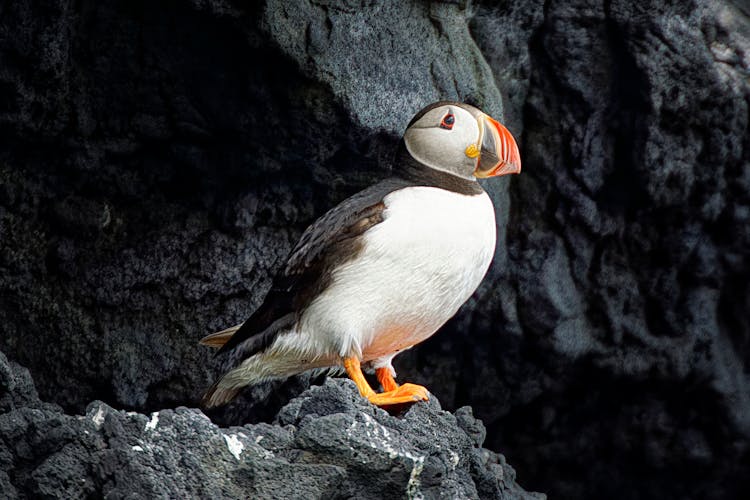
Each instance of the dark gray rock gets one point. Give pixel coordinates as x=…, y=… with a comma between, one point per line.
x=618, y=334
x=408, y=54
x=328, y=443
x=189, y=164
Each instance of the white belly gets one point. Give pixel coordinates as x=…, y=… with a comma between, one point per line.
x=416, y=269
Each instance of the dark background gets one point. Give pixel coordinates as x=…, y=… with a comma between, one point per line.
x=159, y=159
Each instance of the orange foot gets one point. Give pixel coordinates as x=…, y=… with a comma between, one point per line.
x=395, y=394
x=385, y=377
x=406, y=393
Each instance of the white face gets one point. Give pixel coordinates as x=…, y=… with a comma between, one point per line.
x=439, y=140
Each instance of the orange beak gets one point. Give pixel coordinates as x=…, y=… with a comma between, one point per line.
x=498, y=154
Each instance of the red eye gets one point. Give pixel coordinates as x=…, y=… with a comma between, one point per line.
x=448, y=121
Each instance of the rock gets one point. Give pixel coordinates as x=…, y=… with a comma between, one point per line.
x=327, y=443
x=409, y=55
x=619, y=325
x=181, y=186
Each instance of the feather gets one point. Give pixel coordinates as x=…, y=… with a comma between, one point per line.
x=330, y=241
x=218, y=339
x=218, y=395
x=333, y=240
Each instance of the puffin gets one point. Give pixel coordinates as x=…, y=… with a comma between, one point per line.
x=383, y=270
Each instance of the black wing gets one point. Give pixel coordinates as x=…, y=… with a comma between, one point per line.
x=329, y=241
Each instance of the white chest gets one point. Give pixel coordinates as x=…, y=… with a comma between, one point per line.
x=416, y=269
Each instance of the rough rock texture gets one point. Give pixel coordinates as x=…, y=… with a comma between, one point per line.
x=629, y=249
x=328, y=443
x=154, y=175
x=158, y=160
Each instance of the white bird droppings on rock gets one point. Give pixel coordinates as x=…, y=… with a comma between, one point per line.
x=98, y=417
x=234, y=444
x=412, y=486
x=151, y=425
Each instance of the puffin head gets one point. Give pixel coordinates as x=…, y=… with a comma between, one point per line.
x=461, y=140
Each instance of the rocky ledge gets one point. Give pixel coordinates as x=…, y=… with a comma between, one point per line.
x=327, y=443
